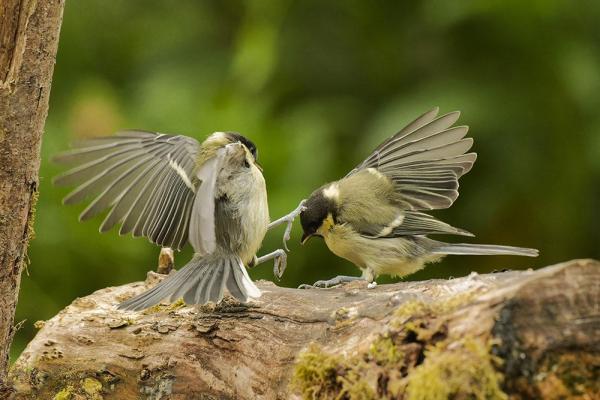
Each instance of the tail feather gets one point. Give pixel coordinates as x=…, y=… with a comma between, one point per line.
x=158, y=293
x=245, y=282
x=484, y=249
x=217, y=290
x=200, y=281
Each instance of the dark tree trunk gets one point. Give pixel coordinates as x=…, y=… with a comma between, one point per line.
x=29, y=32
x=527, y=334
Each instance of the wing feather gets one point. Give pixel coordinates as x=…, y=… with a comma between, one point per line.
x=202, y=221
x=412, y=223
x=145, y=179
x=424, y=161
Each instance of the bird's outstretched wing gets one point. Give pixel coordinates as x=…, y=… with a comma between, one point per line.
x=424, y=161
x=145, y=178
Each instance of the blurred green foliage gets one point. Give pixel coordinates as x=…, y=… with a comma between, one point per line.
x=317, y=85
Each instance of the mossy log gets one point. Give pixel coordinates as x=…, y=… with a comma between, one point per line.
x=520, y=334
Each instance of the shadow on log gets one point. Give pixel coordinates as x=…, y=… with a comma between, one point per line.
x=533, y=334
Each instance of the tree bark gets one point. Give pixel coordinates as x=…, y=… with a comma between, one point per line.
x=526, y=334
x=29, y=32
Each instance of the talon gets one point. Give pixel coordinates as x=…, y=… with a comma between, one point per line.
x=338, y=280
x=289, y=221
x=280, y=264
x=306, y=286
x=285, y=240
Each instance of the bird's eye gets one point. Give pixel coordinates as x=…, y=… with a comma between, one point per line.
x=246, y=163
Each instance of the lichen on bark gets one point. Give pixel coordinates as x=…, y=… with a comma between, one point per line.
x=28, y=42
x=514, y=334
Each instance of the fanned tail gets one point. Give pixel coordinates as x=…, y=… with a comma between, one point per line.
x=484, y=249
x=203, y=279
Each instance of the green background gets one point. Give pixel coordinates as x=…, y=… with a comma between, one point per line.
x=317, y=86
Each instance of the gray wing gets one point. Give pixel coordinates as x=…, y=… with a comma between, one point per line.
x=145, y=179
x=410, y=223
x=202, y=224
x=425, y=160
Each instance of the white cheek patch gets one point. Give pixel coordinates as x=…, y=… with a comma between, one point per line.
x=332, y=191
x=182, y=174
x=394, y=224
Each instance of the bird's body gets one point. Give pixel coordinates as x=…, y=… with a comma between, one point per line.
x=390, y=256
x=373, y=216
x=241, y=211
x=173, y=190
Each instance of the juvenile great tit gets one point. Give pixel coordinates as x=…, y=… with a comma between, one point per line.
x=172, y=190
x=373, y=216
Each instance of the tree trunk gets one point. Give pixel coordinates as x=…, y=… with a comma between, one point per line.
x=28, y=41
x=529, y=334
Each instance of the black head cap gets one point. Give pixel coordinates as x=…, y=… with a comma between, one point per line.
x=317, y=208
x=236, y=137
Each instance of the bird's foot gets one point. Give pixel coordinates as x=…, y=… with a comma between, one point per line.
x=279, y=258
x=338, y=280
x=289, y=220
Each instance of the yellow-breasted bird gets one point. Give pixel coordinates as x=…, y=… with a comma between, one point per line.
x=374, y=216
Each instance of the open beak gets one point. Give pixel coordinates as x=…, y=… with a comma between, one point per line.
x=260, y=168
x=305, y=237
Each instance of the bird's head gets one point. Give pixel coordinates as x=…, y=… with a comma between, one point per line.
x=318, y=215
x=221, y=139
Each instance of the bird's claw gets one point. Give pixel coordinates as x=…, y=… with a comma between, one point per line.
x=279, y=264
x=306, y=286
x=289, y=221
x=319, y=285
x=324, y=284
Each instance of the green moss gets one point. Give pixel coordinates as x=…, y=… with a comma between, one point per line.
x=315, y=375
x=415, y=359
x=165, y=307
x=32, y=209
x=408, y=309
x=442, y=306
x=385, y=352
x=355, y=386
x=319, y=375
x=92, y=387
x=64, y=394
x=465, y=371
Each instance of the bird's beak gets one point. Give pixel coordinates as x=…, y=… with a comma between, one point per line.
x=305, y=237
x=260, y=168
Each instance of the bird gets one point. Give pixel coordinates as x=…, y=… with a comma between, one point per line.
x=375, y=216
x=173, y=190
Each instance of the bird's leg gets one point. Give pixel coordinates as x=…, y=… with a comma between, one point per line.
x=280, y=262
x=338, y=280
x=289, y=219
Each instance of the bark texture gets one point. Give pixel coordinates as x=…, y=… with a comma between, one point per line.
x=29, y=32
x=529, y=334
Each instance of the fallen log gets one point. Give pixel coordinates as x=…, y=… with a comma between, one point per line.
x=519, y=334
